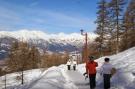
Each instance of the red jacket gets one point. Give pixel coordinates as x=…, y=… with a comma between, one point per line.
x=91, y=67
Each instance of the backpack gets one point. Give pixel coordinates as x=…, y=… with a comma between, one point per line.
x=113, y=71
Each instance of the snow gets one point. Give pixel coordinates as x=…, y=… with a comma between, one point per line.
x=12, y=80
x=27, y=35
x=60, y=78
x=124, y=62
x=2, y=51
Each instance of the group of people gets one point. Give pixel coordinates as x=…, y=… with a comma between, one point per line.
x=106, y=70
x=71, y=63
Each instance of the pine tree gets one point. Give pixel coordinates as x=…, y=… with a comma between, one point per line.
x=116, y=9
x=125, y=35
x=102, y=21
x=132, y=23
x=129, y=27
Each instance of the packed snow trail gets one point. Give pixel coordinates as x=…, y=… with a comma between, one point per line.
x=53, y=78
x=78, y=79
x=81, y=83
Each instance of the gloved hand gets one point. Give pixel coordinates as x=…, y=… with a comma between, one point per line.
x=86, y=76
x=101, y=74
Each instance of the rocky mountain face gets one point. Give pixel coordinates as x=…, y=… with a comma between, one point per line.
x=45, y=42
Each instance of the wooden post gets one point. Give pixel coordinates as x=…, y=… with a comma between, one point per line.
x=86, y=46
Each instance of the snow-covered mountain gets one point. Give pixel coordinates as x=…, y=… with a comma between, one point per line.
x=44, y=41
x=26, y=35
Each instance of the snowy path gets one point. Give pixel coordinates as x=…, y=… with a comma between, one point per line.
x=78, y=79
x=75, y=77
x=53, y=78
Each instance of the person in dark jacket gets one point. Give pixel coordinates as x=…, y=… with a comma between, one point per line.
x=91, y=71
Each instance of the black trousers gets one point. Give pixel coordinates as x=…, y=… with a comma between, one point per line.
x=107, y=78
x=74, y=67
x=68, y=67
x=92, y=80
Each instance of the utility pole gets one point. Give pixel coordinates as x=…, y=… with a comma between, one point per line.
x=85, y=45
x=22, y=82
x=117, y=24
x=76, y=54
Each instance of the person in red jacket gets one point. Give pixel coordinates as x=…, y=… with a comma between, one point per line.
x=91, y=71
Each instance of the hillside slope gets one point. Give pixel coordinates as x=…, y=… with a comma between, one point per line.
x=60, y=78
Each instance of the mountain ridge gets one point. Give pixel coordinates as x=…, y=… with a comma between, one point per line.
x=27, y=34
x=52, y=42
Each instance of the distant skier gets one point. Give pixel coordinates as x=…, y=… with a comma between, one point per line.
x=91, y=71
x=69, y=65
x=74, y=65
x=107, y=70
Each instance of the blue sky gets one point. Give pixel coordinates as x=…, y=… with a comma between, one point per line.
x=51, y=16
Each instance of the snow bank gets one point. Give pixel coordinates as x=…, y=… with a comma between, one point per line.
x=14, y=79
x=52, y=78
